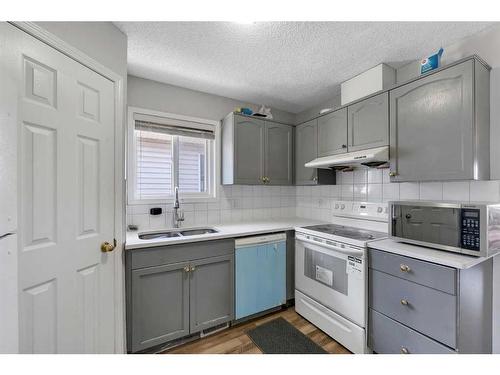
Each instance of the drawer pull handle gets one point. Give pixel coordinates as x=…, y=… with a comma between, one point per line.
x=404, y=268
x=404, y=302
x=404, y=350
x=186, y=269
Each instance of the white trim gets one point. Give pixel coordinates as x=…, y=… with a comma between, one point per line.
x=119, y=217
x=131, y=155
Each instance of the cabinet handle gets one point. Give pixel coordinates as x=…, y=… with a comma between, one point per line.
x=263, y=179
x=193, y=268
x=404, y=350
x=344, y=146
x=404, y=268
x=392, y=174
x=315, y=179
x=186, y=269
x=267, y=180
x=404, y=302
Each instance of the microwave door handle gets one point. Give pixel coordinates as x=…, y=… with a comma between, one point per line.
x=353, y=252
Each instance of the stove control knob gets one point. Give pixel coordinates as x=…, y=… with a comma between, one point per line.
x=342, y=206
x=336, y=206
x=379, y=210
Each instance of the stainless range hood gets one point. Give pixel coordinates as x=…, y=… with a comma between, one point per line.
x=370, y=157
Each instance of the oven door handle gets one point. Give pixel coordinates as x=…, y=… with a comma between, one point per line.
x=358, y=253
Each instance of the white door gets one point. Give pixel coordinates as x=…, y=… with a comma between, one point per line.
x=66, y=194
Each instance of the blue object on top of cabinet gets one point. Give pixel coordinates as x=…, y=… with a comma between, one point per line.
x=260, y=275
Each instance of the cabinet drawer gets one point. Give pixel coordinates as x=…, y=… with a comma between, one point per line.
x=429, y=274
x=155, y=256
x=386, y=336
x=426, y=310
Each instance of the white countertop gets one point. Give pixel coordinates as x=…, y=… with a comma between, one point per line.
x=224, y=231
x=444, y=258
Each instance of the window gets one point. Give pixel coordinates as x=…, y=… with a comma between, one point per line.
x=168, y=153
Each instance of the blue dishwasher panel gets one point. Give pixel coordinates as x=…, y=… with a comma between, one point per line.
x=260, y=278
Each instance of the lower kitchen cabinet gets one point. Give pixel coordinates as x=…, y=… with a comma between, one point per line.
x=178, y=290
x=211, y=292
x=421, y=307
x=160, y=307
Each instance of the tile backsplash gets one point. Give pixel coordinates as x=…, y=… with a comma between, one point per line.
x=239, y=203
x=235, y=203
x=373, y=185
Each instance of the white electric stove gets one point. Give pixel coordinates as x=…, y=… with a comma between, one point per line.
x=331, y=271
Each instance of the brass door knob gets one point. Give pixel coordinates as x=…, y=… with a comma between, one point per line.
x=106, y=247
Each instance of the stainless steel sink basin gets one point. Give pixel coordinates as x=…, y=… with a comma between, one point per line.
x=154, y=236
x=176, y=233
x=194, y=232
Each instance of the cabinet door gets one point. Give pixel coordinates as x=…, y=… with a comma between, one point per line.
x=249, y=135
x=279, y=154
x=332, y=133
x=432, y=127
x=211, y=292
x=160, y=305
x=368, y=123
x=306, y=149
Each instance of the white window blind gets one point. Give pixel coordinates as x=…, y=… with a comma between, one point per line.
x=169, y=156
x=154, y=172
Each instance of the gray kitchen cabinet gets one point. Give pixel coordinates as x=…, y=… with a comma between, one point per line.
x=332, y=133
x=177, y=290
x=439, y=125
x=368, y=123
x=306, y=149
x=160, y=310
x=279, y=154
x=256, y=151
x=417, y=306
x=211, y=292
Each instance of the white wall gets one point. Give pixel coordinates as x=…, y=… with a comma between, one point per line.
x=333, y=102
x=163, y=97
x=102, y=41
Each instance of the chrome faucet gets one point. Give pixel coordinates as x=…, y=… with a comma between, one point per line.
x=178, y=214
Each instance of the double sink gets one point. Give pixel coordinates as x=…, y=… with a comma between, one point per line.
x=176, y=233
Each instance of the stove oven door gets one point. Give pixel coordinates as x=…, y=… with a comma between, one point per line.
x=333, y=276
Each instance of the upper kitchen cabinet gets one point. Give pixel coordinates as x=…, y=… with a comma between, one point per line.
x=439, y=125
x=279, y=154
x=368, y=123
x=256, y=151
x=332, y=133
x=306, y=149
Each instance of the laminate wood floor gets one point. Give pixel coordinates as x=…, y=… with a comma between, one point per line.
x=235, y=341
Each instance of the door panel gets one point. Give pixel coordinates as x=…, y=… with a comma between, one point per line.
x=160, y=305
x=66, y=185
x=211, y=292
x=368, y=123
x=332, y=133
x=432, y=125
x=306, y=149
x=248, y=150
x=279, y=154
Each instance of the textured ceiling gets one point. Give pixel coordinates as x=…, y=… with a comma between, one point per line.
x=287, y=65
